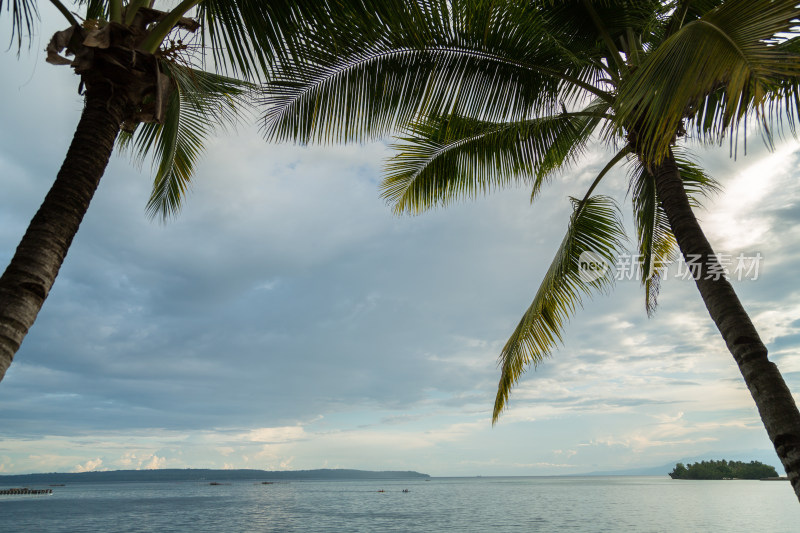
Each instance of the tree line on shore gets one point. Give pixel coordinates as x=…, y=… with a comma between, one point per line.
x=723, y=470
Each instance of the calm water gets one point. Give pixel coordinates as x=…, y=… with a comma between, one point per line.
x=442, y=504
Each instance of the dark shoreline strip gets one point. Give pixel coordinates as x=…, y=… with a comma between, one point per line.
x=14, y=492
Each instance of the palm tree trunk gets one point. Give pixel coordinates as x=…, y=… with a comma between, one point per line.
x=28, y=278
x=774, y=400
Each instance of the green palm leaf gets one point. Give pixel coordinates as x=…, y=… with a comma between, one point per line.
x=656, y=244
x=595, y=232
x=201, y=103
x=484, y=60
x=95, y=9
x=250, y=36
x=232, y=28
x=729, y=51
x=447, y=159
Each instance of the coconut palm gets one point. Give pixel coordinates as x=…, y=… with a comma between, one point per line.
x=141, y=73
x=491, y=93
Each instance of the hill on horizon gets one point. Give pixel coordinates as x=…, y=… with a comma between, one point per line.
x=204, y=474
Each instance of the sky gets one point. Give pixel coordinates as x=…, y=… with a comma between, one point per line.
x=288, y=320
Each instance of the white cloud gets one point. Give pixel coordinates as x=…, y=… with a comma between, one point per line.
x=277, y=435
x=735, y=219
x=155, y=462
x=91, y=465
x=141, y=460
x=565, y=453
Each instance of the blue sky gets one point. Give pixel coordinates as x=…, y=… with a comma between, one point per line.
x=287, y=320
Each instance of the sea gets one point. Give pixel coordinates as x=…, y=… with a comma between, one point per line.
x=482, y=504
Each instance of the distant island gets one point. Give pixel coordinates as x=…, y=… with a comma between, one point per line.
x=723, y=470
x=197, y=474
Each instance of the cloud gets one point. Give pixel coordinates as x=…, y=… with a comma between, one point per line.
x=277, y=435
x=5, y=464
x=90, y=466
x=155, y=462
x=738, y=222
x=565, y=453
x=141, y=460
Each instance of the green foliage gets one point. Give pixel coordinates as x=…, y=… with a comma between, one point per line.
x=723, y=470
x=488, y=60
x=657, y=246
x=200, y=103
x=247, y=36
x=447, y=159
x=716, y=70
x=595, y=227
x=679, y=472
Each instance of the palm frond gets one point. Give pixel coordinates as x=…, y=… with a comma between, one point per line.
x=95, y=9
x=686, y=11
x=453, y=158
x=656, y=244
x=493, y=61
x=566, y=148
x=24, y=15
x=783, y=105
x=730, y=50
x=595, y=234
x=248, y=36
x=200, y=103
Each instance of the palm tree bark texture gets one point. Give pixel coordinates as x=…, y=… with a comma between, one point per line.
x=29, y=277
x=775, y=404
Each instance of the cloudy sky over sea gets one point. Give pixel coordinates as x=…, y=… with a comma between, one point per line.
x=287, y=320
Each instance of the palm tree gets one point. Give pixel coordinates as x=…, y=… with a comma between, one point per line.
x=144, y=88
x=493, y=93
